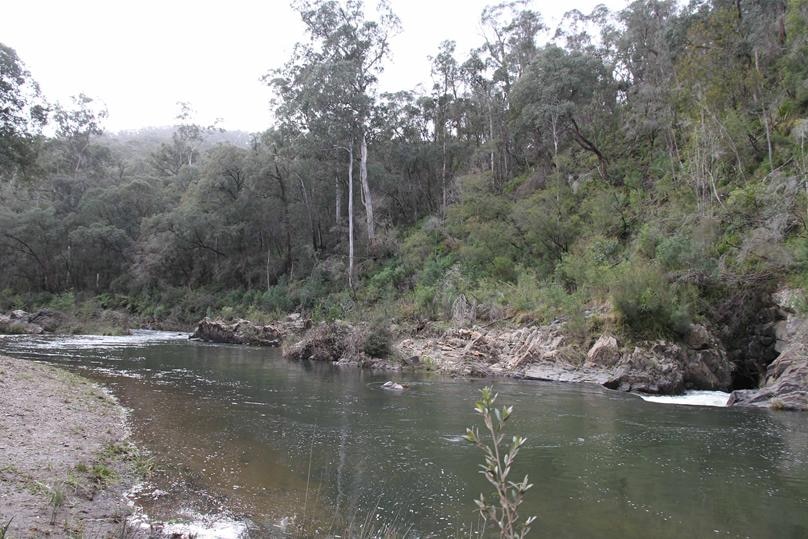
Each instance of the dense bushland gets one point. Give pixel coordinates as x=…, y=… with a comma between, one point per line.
x=639, y=169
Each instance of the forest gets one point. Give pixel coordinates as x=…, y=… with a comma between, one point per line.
x=639, y=170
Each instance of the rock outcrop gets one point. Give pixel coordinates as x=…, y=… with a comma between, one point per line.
x=245, y=332
x=786, y=383
x=481, y=351
x=547, y=353
x=237, y=332
x=48, y=319
x=669, y=368
x=604, y=353
x=345, y=344
x=18, y=322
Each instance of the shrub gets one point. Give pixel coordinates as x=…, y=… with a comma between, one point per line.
x=647, y=303
x=276, y=299
x=674, y=252
x=63, y=302
x=419, y=245
x=508, y=496
x=587, y=266
x=503, y=269
x=425, y=303
x=377, y=341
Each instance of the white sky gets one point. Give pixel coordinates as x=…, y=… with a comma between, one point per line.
x=141, y=57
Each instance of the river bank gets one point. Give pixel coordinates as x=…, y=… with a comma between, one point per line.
x=66, y=458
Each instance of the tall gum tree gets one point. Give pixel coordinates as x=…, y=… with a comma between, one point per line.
x=328, y=87
x=23, y=112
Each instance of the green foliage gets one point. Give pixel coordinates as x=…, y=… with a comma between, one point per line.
x=10, y=300
x=426, y=301
x=103, y=474
x=276, y=299
x=377, y=341
x=646, y=302
x=63, y=302
x=652, y=167
x=497, y=466
x=588, y=265
x=420, y=244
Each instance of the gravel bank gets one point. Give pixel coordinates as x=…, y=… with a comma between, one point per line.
x=65, y=459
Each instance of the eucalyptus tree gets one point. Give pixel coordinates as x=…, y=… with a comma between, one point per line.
x=186, y=141
x=571, y=96
x=77, y=128
x=644, y=51
x=328, y=87
x=23, y=112
x=446, y=76
x=510, y=30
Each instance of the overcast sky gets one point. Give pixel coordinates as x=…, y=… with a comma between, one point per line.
x=141, y=57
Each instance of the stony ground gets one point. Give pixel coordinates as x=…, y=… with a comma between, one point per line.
x=65, y=462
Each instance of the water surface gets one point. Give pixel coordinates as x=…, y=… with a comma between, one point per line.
x=240, y=432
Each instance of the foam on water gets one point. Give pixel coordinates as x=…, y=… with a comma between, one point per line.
x=197, y=526
x=97, y=342
x=691, y=398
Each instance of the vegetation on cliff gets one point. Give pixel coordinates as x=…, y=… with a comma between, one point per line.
x=636, y=170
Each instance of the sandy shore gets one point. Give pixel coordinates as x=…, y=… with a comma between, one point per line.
x=65, y=459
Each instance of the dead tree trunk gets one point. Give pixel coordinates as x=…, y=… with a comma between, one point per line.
x=350, y=219
x=366, y=196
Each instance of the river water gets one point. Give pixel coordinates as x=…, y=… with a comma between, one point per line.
x=242, y=437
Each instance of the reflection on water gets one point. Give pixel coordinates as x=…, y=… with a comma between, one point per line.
x=239, y=431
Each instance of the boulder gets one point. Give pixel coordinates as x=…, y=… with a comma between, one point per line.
x=16, y=323
x=707, y=365
x=655, y=368
x=698, y=338
x=668, y=368
x=238, y=332
x=604, y=353
x=50, y=320
x=19, y=314
x=707, y=369
x=293, y=324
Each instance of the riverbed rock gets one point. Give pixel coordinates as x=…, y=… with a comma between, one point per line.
x=604, y=353
x=237, y=332
x=547, y=353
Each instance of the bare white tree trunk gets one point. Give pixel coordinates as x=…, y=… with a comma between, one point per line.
x=338, y=197
x=443, y=172
x=491, y=136
x=350, y=219
x=363, y=178
x=269, y=259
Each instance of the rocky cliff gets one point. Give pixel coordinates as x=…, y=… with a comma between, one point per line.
x=785, y=385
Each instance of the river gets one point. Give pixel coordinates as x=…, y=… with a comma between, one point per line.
x=246, y=440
